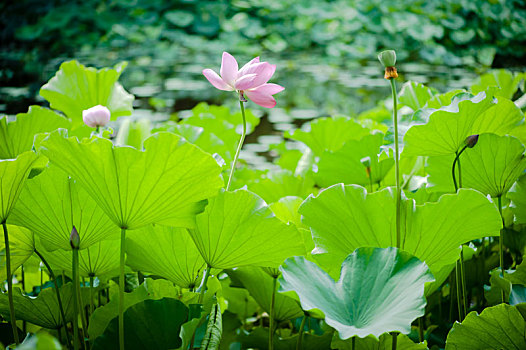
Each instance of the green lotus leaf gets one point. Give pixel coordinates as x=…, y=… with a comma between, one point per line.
x=497, y=327
x=149, y=324
x=258, y=339
x=379, y=290
x=239, y=300
x=504, y=79
x=13, y=174
x=282, y=183
x=166, y=183
x=206, y=111
x=239, y=229
x=328, y=134
x=99, y=259
x=385, y=342
x=448, y=127
x=22, y=244
x=40, y=341
x=345, y=165
x=517, y=195
x=493, y=165
x=343, y=218
x=52, y=203
x=165, y=251
x=17, y=136
x=501, y=119
x=75, y=88
x=286, y=209
x=43, y=310
x=260, y=284
x=415, y=95
x=517, y=294
x=133, y=132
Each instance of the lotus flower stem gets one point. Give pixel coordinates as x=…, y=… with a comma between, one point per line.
x=271, y=316
x=397, y=161
x=122, y=282
x=459, y=295
x=75, y=268
x=12, y=316
x=421, y=329
x=501, y=244
x=299, y=344
x=57, y=290
x=353, y=342
x=91, y=296
x=395, y=340
x=82, y=312
x=241, y=140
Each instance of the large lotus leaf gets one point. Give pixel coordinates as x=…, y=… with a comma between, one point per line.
x=448, y=127
x=75, y=88
x=379, y=290
x=385, y=342
x=504, y=79
x=99, y=259
x=500, y=119
x=165, y=251
x=260, y=284
x=345, y=165
x=17, y=136
x=43, y=310
x=13, y=174
x=415, y=95
x=52, y=203
x=239, y=301
x=286, y=209
x=328, y=134
x=258, y=339
x=166, y=183
x=493, y=165
x=282, y=183
x=22, y=244
x=149, y=324
x=343, y=218
x=517, y=195
x=497, y=327
x=239, y=229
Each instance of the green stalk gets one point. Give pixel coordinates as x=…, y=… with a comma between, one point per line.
x=82, y=312
x=353, y=342
x=299, y=344
x=12, y=316
x=271, y=316
x=459, y=296
x=75, y=268
x=501, y=244
x=57, y=290
x=203, y=286
x=91, y=296
x=421, y=329
x=397, y=161
x=395, y=340
x=122, y=282
x=241, y=140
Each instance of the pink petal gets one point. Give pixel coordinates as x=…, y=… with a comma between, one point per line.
x=229, y=69
x=243, y=69
x=264, y=72
x=260, y=98
x=216, y=80
x=245, y=82
x=269, y=89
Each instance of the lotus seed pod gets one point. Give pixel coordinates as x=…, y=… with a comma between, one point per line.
x=472, y=140
x=74, y=239
x=387, y=58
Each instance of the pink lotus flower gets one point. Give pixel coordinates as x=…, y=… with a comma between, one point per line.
x=250, y=80
x=96, y=116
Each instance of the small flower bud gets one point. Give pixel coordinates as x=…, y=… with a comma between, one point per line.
x=74, y=239
x=96, y=116
x=387, y=58
x=472, y=140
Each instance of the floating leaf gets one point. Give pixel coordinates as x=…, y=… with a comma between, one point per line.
x=166, y=183
x=239, y=229
x=358, y=305
x=504, y=79
x=497, y=327
x=282, y=183
x=18, y=135
x=43, y=310
x=343, y=218
x=149, y=324
x=260, y=285
x=165, y=251
x=75, y=88
x=52, y=203
x=329, y=134
x=448, y=126
x=13, y=174
x=415, y=95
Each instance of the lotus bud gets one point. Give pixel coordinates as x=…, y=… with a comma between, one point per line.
x=96, y=116
x=366, y=161
x=74, y=239
x=388, y=60
x=472, y=140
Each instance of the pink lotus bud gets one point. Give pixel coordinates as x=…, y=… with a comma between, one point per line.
x=74, y=239
x=96, y=116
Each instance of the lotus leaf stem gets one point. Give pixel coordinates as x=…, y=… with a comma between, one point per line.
x=122, y=282
x=12, y=316
x=299, y=344
x=501, y=244
x=271, y=316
